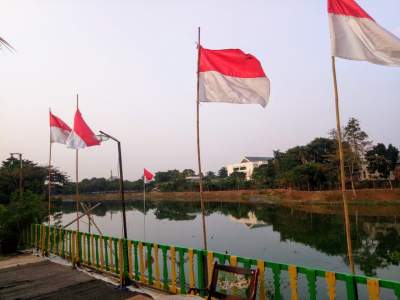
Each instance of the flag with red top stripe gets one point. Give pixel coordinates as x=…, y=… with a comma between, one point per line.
x=355, y=35
x=59, y=131
x=232, y=76
x=82, y=136
x=148, y=176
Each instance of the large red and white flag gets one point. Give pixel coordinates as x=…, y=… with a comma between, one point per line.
x=355, y=35
x=59, y=131
x=147, y=175
x=82, y=136
x=232, y=76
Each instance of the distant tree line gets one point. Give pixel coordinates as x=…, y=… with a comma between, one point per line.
x=314, y=166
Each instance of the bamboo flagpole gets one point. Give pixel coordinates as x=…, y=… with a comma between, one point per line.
x=203, y=218
x=77, y=188
x=342, y=173
x=49, y=182
x=144, y=208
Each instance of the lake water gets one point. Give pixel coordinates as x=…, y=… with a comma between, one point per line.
x=265, y=231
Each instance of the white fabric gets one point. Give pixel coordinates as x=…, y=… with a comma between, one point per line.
x=58, y=135
x=74, y=141
x=215, y=87
x=363, y=39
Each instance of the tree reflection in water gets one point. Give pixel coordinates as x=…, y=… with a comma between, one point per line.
x=376, y=240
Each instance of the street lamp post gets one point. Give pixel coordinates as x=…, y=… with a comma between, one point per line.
x=20, y=171
x=122, y=195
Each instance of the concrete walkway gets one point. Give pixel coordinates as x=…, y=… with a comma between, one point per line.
x=31, y=277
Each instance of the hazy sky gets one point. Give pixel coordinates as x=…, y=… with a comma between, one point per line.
x=133, y=64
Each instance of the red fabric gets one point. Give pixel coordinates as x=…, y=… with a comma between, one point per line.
x=148, y=175
x=230, y=62
x=57, y=122
x=347, y=8
x=83, y=130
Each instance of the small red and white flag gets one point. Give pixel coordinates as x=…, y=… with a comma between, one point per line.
x=82, y=136
x=232, y=76
x=147, y=175
x=355, y=35
x=59, y=131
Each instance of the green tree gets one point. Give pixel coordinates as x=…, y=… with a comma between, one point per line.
x=223, y=172
x=188, y=173
x=34, y=178
x=357, y=141
x=382, y=160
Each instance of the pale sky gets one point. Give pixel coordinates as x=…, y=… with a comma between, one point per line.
x=133, y=64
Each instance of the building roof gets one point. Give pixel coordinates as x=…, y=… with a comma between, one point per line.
x=257, y=158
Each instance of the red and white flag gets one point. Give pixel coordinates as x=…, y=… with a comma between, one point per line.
x=82, y=136
x=59, y=131
x=147, y=175
x=355, y=35
x=232, y=76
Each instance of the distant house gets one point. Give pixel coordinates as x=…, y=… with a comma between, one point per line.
x=248, y=164
x=397, y=170
x=366, y=175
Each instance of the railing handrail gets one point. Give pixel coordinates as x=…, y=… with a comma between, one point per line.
x=129, y=256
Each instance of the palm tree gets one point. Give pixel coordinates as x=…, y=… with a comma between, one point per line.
x=4, y=43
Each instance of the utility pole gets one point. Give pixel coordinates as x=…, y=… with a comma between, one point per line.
x=20, y=172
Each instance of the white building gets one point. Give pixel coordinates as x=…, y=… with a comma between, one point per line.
x=248, y=164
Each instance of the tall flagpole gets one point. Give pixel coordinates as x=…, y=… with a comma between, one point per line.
x=198, y=145
x=144, y=208
x=49, y=181
x=77, y=190
x=342, y=173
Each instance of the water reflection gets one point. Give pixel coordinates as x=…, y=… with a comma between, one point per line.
x=376, y=239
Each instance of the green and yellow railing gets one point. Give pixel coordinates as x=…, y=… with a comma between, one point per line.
x=176, y=269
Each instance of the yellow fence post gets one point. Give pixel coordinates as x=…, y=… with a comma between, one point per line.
x=261, y=278
x=110, y=254
x=157, y=282
x=191, y=268
x=373, y=289
x=210, y=263
x=233, y=261
x=293, y=282
x=101, y=253
x=331, y=284
x=173, y=269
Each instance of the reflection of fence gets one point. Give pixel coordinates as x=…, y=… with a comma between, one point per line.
x=175, y=269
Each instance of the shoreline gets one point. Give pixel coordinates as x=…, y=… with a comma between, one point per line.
x=283, y=196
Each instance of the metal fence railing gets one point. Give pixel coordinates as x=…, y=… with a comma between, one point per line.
x=176, y=269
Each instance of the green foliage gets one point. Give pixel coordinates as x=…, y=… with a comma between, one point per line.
x=223, y=173
x=20, y=213
x=382, y=160
x=34, y=178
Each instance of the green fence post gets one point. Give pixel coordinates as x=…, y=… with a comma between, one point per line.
x=351, y=287
x=311, y=282
x=165, y=267
x=89, y=260
x=149, y=263
x=200, y=271
x=135, y=253
x=80, y=241
x=182, y=279
x=276, y=270
x=63, y=242
x=116, y=260
x=126, y=259
x=105, y=243
x=96, y=241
